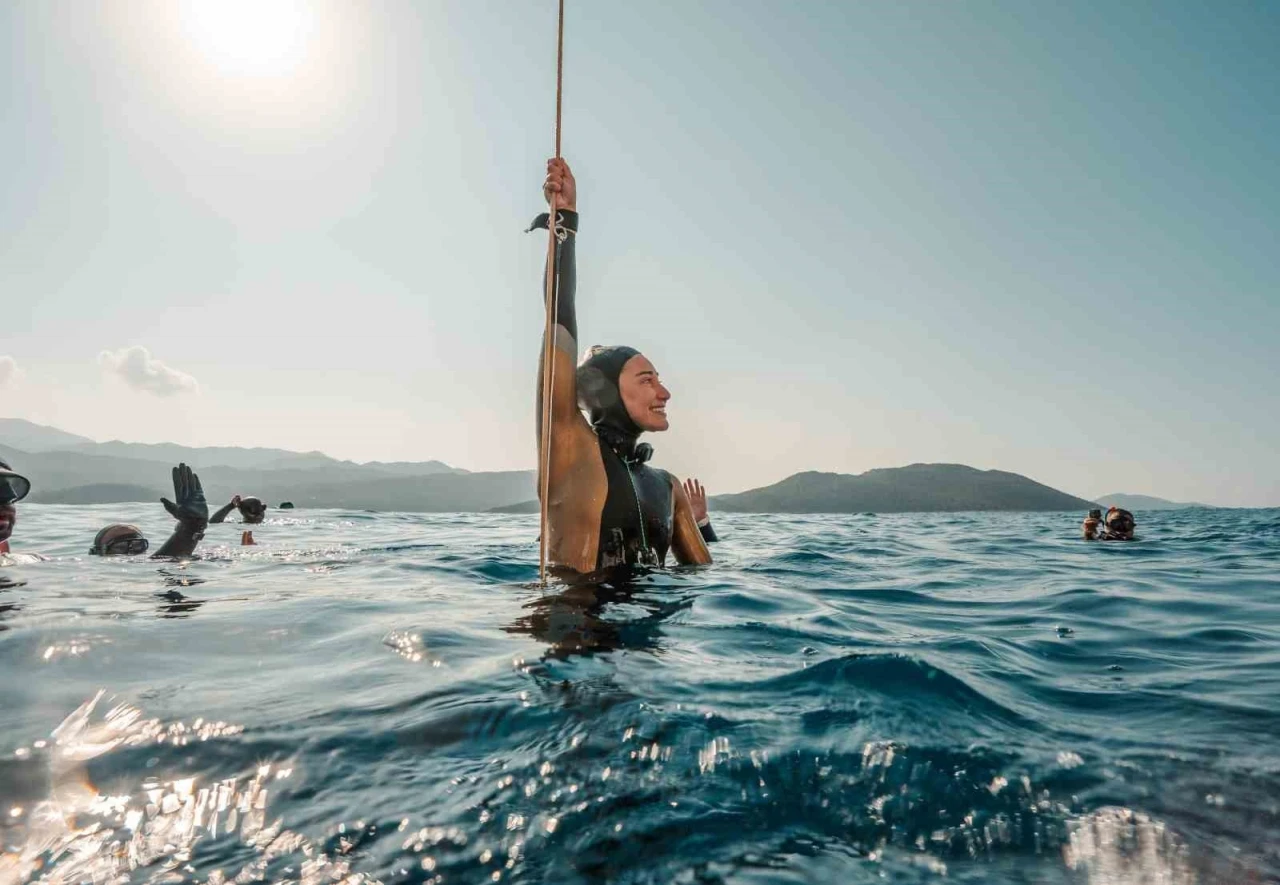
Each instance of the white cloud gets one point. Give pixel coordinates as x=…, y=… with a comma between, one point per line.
x=137, y=368
x=9, y=371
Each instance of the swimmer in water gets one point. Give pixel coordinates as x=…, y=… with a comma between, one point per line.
x=697, y=496
x=1117, y=526
x=252, y=510
x=606, y=506
x=189, y=508
x=13, y=488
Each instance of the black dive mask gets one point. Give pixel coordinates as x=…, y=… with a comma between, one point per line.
x=13, y=486
x=122, y=547
x=127, y=544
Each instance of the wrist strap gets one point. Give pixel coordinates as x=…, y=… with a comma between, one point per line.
x=566, y=222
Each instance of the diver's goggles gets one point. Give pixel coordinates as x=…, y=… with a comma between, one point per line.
x=13, y=487
x=121, y=547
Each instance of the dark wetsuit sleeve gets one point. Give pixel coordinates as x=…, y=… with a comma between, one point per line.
x=566, y=270
x=222, y=512
x=565, y=397
x=708, y=533
x=181, y=543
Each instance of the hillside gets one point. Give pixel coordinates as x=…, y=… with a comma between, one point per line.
x=38, y=439
x=103, y=493
x=67, y=469
x=31, y=437
x=531, y=506
x=69, y=477
x=1142, y=502
x=918, y=487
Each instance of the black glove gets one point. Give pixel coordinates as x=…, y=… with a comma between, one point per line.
x=191, y=509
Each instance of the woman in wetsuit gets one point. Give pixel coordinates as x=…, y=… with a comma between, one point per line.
x=606, y=505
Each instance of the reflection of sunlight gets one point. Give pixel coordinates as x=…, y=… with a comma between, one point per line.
x=410, y=647
x=1124, y=847
x=77, y=833
x=250, y=38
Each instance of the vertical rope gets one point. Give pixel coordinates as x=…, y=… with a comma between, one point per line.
x=549, y=333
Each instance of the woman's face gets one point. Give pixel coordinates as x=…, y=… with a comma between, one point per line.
x=643, y=394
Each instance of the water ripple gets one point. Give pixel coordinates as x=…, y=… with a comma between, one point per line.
x=379, y=698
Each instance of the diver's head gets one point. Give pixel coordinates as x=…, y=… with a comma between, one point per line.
x=119, y=539
x=13, y=488
x=1120, y=523
x=252, y=510
x=643, y=394
x=620, y=390
x=1095, y=514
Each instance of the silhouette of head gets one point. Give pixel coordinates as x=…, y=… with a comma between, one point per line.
x=119, y=539
x=252, y=510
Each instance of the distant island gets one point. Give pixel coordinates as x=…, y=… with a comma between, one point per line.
x=924, y=488
x=530, y=506
x=915, y=488
x=69, y=469
x=1143, y=502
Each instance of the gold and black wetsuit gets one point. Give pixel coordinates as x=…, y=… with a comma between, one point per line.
x=607, y=506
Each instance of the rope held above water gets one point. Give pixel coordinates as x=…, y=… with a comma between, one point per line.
x=549, y=333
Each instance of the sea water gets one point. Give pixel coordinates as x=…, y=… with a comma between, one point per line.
x=390, y=697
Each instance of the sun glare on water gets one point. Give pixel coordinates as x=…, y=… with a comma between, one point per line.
x=250, y=38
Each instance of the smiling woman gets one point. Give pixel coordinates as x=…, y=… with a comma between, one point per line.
x=250, y=38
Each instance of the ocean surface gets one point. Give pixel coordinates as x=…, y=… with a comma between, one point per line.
x=977, y=698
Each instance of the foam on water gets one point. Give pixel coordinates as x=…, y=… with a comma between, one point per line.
x=391, y=698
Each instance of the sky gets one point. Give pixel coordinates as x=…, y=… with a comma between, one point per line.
x=1031, y=237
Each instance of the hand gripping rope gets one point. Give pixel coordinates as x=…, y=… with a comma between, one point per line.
x=549, y=334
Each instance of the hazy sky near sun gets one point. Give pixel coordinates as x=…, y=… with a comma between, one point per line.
x=1036, y=237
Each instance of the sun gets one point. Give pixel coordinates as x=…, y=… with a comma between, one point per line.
x=250, y=38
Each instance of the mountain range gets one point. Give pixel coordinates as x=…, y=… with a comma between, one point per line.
x=68, y=469
x=914, y=488
x=1143, y=502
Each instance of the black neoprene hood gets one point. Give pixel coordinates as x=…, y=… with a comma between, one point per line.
x=598, y=391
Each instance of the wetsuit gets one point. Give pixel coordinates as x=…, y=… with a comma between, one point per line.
x=635, y=526
x=636, y=519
